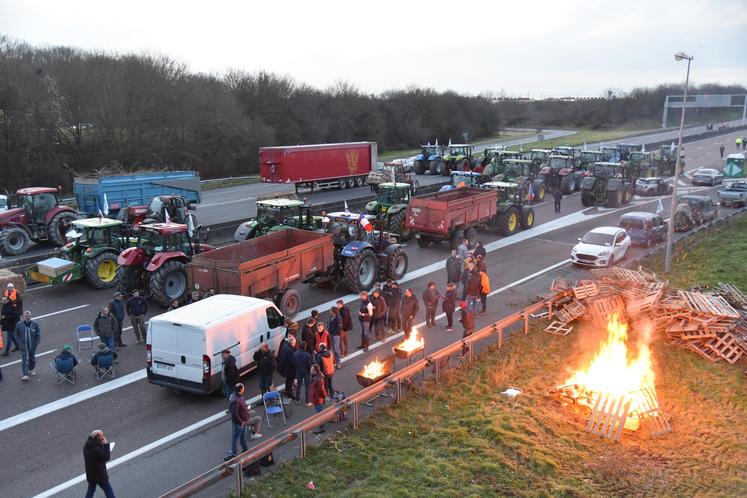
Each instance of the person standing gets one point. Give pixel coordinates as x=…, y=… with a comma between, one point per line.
x=307, y=336
x=230, y=372
x=14, y=297
x=430, y=300
x=266, y=365
x=364, y=318
x=484, y=289
x=105, y=326
x=738, y=142
x=346, y=328
x=117, y=308
x=480, y=264
x=326, y=361
x=28, y=335
x=10, y=318
x=473, y=290
x=721, y=150
x=479, y=251
x=318, y=393
x=241, y=418
x=410, y=308
x=335, y=323
x=379, y=314
x=557, y=195
x=285, y=364
x=466, y=272
x=96, y=452
x=468, y=322
x=302, y=362
x=291, y=328
x=136, y=308
x=449, y=305
x=463, y=250
x=322, y=337
x=453, y=268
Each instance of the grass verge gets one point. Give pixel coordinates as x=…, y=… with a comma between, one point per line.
x=462, y=438
x=230, y=182
x=502, y=135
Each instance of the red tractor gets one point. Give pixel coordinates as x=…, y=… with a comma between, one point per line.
x=158, y=263
x=37, y=217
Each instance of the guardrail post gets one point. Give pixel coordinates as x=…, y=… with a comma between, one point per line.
x=356, y=416
x=500, y=338
x=239, y=478
x=398, y=391
x=549, y=311
x=302, y=442
x=437, y=370
x=526, y=323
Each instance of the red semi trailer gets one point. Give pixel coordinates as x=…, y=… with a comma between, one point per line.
x=344, y=165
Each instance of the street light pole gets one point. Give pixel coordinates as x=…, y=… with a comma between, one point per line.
x=677, y=168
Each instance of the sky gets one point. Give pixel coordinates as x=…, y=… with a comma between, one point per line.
x=528, y=48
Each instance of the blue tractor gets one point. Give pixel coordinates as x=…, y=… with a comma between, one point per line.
x=429, y=159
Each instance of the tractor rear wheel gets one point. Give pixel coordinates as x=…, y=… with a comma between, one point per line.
x=289, y=303
x=464, y=165
x=437, y=166
x=424, y=241
x=615, y=198
x=587, y=198
x=471, y=236
x=527, y=217
x=397, y=265
x=457, y=238
x=508, y=223
x=169, y=282
x=127, y=279
x=418, y=167
x=397, y=226
x=14, y=241
x=568, y=184
x=58, y=226
x=101, y=270
x=360, y=271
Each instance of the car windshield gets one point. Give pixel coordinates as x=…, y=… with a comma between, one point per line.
x=631, y=224
x=598, y=239
x=647, y=181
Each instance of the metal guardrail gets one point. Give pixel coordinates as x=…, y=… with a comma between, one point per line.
x=352, y=403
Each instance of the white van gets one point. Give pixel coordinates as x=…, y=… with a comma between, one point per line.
x=184, y=345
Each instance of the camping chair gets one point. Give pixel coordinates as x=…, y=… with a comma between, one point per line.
x=84, y=334
x=273, y=402
x=64, y=369
x=104, y=367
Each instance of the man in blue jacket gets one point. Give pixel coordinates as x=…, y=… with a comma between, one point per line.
x=285, y=363
x=117, y=309
x=302, y=362
x=137, y=307
x=28, y=335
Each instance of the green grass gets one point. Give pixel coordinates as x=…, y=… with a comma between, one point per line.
x=462, y=438
x=231, y=182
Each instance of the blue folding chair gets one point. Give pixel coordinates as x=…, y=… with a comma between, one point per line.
x=64, y=369
x=84, y=334
x=104, y=367
x=273, y=402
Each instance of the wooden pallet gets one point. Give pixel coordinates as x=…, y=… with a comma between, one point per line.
x=699, y=348
x=559, y=285
x=649, y=412
x=708, y=305
x=559, y=328
x=734, y=296
x=571, y=311
x=643, y=304
x=608, y=416
x=602, y=308
x=726, y=347
x=585, y=290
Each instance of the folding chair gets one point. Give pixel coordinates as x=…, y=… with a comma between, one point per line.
x=273, y=402
x=64, y=369
x=105, y=366
x=84, y=334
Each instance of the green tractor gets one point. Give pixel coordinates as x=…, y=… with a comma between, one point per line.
x=512, y=212
x=490, y=154
x=613, y=183
x=540, y=157
x=390, y=207
x=665, y=161
x=588, y=158
x=458, y=157
x=92, y=250
x=278, y=214
x=525, y=173
x=644, y=161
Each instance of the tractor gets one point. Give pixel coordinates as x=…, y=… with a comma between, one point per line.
x=363, y=257
x=539, y=157
x=512, y=211
x=390, y=208
x=460, y=179
x=158, y=262
x=391, y=172
x=560, y=174
x=429, y=159
x=525, y=173
x=587, y=158
x=644, y=161
x=624, y=150
x=665, y=160
x=490, y=153
x=566, y=150
x=278, y=214
x=610, y=153
x=613, y=183
x=38, y=217
x=94, y=246
x=458, y=157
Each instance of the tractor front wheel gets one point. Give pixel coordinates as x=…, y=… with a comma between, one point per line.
x=508, y=223
x=587, y=198
x=169, y=282
x=101, y=271
x=127, y=279
x=397, y=265
x=14, y=241
x=527, y=217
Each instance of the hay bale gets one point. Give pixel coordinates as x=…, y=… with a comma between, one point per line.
x=8, y=277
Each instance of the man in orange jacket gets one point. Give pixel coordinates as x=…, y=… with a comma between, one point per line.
x=484, y=289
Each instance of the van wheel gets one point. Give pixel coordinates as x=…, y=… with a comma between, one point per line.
x=290, y=303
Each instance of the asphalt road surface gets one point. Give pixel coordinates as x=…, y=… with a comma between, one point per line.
x=165, y=438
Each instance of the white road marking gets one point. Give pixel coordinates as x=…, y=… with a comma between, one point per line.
x=217, y=416
x=37, y=287
x=16, y=362
x=59, y=312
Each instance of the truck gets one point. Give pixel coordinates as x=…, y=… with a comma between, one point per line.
x=265, y=267
x=318, y=166
x=453, y=215
x=139, y=197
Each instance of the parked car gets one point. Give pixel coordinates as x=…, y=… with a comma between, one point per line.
x=3, y=203
x=694, y=210
x=644, y=229
x=602, y=246
x=734, y=194
x=652, y=186
x=707, y=176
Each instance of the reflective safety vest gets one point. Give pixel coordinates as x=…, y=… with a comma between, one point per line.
x=12, y=295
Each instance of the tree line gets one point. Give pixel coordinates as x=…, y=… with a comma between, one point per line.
x=66, y=112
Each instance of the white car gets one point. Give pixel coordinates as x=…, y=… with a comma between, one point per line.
x=3, y=203
x=602, y=246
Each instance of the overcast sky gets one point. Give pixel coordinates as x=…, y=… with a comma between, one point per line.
x=537, y=48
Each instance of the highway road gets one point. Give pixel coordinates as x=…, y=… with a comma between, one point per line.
x=165, y=438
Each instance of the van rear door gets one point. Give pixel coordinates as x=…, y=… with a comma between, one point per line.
x=162, y=337
x=190, y=348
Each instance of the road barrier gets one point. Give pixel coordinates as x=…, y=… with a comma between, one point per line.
x=396, y=381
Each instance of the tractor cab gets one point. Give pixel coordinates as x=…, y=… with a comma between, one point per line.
x=624, y=150
x=177, y=208
x=346, y=228
x=288, y=212
x=393, y=193
x=429, y=152
x=514, y=168
x=565, y=150
x=490, y=152
x=539, y=156
x=470, y=179
x=607, y=170
x=589, y=157
x=644, y=161
x=93, y=232
x=458, y=157
x=166, y=237
x=507, y=191
x=36, y=202
x=610, y=153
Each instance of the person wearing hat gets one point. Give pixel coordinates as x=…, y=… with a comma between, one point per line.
x=103, y=351
x=117, y=310
x=14, y=297
x=449, y=305
x=63, y=360
x=468, y=322
x=9, y=319
x=453, y=267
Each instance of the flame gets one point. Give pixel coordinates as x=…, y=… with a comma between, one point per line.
x=412, y=343
x=614, y=371
x=373, y=370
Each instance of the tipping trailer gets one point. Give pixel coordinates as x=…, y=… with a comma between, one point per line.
x=452, y=215
x=265, y=266
x=319, y=166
